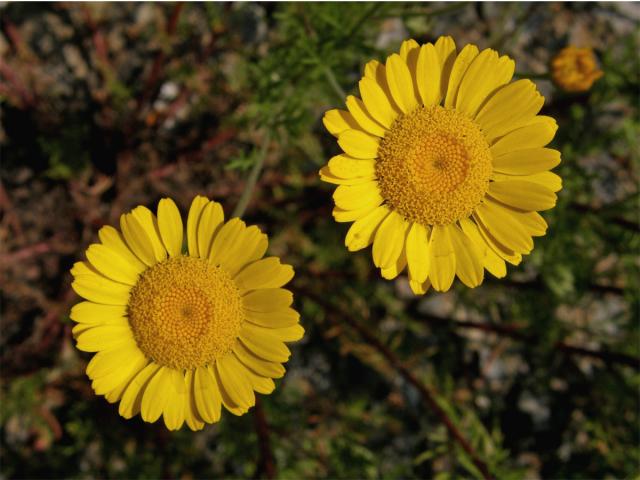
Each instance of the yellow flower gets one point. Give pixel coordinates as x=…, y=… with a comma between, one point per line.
x=575, y=69
x=180, y=334
x=443, y=168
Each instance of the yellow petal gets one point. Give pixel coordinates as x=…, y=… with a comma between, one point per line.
x=341, y=215
x=468, y=258
x=377, y=102
x=380, y=76
x=418, y=252
x=395, y=269
x=226, y=241
x=226, y=400
x=281, y=318
x=113, y=383
x=257, y=364
x=265, y=273
x=206, y=395
x=174, y=409
x=96, y=313
x=100, y=289
x=538, y=133
x=251, y=245
x=109, y=262
x=137, y=239
x=420, y=288
x=259, y=383
x=211, y=220
x=234, y=383
x=106, y=361
x=361, y=233
x=337, y=121
x=547, y=179
x=84, y=268
x=267, y=300
x=460, y=65
x=103, y=337
x=156, y=395
x=490, y=259
x=149, y=223
x=500, y=249
x=446, y=49
x=191, y=415
x=112, y=239
x=532, y=222
x=409, y=51
x=347, y=167
x=264, y=344
x=132, y=397
x=358, y=144
x=506, y=229
x=407, y=47
x=327, y=176
x=486, y=73
x=170, y=226
x=197, y=205
x=363, y=117
x=355, y=197
x=400, y=83
x=115, y=394
x=428, y=75
x=389, y=240
x=371, y=69
x=291, y=333
x=442, y=259
x=526, y=162
x=509, y=108
x=523, y=195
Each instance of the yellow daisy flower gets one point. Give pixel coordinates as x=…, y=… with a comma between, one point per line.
x=444, y=166
x=575, y=69
x=180, y=334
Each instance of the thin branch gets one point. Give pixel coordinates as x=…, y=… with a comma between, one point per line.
x=252, y=179
x=266, y=462
x=331, y=78
x=425, y=392
x=517, y=332
x=604, y=355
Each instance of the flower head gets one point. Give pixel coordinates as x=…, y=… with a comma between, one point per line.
x=444, y=166
x=575, y=69
x=180, y=334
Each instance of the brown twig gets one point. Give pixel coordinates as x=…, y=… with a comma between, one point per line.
x=6, y=205
x=604, y=355
x=266, y=466
x=99, y=42
x=17, y=84
x=425, y=392
x=17, y=256
x=517, y=332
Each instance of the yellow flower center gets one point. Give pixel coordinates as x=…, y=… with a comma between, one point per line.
x=434, y=166
x=185, y=312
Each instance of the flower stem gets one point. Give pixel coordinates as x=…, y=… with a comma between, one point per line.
x=252, y=179
x=331, y=78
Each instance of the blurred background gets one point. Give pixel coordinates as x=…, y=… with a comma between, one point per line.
x=108, y=106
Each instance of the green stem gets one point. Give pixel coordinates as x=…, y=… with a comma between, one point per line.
x=252, y=179
x=331, y=78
